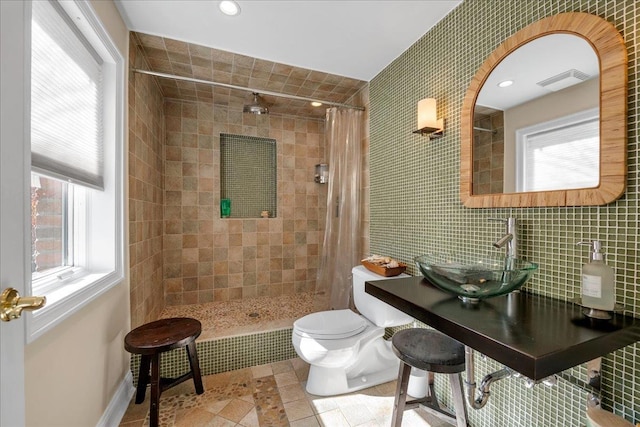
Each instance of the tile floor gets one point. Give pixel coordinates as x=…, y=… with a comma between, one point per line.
x=272, y=395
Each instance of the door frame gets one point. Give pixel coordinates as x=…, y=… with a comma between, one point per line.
x=15, y=208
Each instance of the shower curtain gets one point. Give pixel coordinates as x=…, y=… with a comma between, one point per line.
x=341, y=245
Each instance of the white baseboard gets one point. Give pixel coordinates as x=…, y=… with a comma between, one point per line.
x=119, y=403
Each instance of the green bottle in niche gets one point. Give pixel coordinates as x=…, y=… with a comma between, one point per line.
x=225, y=208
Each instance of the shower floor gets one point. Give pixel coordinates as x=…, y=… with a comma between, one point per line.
x=240, y=317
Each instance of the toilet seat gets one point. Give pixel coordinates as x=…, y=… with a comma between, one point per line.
x=330, y=325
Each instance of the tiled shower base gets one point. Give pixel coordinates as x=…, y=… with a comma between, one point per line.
x=237, y=334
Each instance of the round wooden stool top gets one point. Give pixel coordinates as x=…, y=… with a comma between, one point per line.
x=428, y=350
x=162, y=335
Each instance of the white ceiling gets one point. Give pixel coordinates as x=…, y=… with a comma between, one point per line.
x=352, y=38
x=540, y=59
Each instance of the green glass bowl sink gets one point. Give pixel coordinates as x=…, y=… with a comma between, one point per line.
x=473, y=279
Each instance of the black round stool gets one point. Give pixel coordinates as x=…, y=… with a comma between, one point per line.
x=150, y=341
x=433, y=352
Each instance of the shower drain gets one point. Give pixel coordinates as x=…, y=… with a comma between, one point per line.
x=254, y=315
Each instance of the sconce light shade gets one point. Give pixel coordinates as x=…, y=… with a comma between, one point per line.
x=322, y=173
x=428, y=123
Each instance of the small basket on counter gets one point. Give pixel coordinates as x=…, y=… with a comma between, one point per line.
x=384, y=266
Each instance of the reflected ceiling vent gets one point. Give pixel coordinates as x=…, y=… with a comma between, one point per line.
x=257, y=106
x=564, y=80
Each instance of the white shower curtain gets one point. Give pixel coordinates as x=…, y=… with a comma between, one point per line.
x=341, y=245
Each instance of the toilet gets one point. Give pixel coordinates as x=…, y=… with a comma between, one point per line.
x=346, y=351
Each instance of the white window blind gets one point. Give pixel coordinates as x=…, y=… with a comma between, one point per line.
x=565, y=157
x=66, y=99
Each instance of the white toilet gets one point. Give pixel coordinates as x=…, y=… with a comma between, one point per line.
x=346, y=350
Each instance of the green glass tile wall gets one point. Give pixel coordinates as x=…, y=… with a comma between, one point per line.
x=415, y=205
x=248, y=175
x=226, y=354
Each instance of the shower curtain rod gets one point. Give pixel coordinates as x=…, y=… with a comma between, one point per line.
x=246, y=89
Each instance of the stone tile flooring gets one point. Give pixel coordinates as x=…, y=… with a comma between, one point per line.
x=272, y=395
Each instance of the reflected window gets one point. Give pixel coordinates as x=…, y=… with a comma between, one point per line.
x=560, y=154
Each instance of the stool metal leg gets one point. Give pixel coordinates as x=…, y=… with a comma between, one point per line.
x=155, y=390
x=192, y=354
x=459, y=403
x=401, y=394
x=143, y=378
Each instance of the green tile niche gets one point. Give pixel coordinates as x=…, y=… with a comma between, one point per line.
x=415, y=206
x=248, y=175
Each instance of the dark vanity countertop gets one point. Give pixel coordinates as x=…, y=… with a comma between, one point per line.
x=535, y=335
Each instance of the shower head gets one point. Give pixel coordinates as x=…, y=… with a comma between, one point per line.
x=258, y=106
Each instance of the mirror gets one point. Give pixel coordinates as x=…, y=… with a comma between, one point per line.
x=564, y=111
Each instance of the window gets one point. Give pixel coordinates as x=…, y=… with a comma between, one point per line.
x=559, y=154
x=51, y=226
x=77, y=101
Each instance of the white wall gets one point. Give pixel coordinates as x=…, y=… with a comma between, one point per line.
x=73, y=372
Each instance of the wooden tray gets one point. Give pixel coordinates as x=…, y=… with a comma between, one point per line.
x=384, y=271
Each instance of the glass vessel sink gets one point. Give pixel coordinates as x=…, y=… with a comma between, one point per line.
x=475, y=278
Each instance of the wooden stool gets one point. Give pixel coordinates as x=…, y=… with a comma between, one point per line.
x=152, y=339
x=433, y=352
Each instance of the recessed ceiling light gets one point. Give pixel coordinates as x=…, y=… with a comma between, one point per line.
x=316, y=104
x=505, y=83
x=229, y=7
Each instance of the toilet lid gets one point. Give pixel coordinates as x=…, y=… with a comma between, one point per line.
x=334, y=324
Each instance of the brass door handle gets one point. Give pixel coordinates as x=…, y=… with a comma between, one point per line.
x=12, y=304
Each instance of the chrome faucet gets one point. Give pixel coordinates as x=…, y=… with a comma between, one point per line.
x=510, y=239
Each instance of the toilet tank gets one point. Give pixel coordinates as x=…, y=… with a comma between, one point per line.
x=378, y=312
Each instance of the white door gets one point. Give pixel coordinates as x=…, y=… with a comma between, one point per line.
x=15, y=242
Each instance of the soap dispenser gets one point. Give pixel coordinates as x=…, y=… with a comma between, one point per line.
x=598, y=291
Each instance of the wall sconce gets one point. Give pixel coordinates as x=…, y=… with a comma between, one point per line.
x=428, y=123
x=322, y=173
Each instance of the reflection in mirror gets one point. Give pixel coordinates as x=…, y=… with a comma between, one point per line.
x=536, y=119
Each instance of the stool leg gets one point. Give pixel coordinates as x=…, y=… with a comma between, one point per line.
x=155, y=390
x=459, y=404
x=143, y=379
x=192, y=354
x=431, y=390
x=401, y=394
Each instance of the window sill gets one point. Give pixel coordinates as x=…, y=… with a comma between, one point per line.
x=67, y=300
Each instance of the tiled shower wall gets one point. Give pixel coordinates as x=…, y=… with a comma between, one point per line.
x=146, y=140
x=415, y=204
x=488, y=153
x=208, y=258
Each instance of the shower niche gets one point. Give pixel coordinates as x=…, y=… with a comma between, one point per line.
x=248, y=176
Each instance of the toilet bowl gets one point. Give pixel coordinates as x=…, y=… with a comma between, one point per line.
x=346, y=351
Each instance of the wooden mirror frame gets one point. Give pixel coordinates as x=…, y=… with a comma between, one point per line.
x=612, y=53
